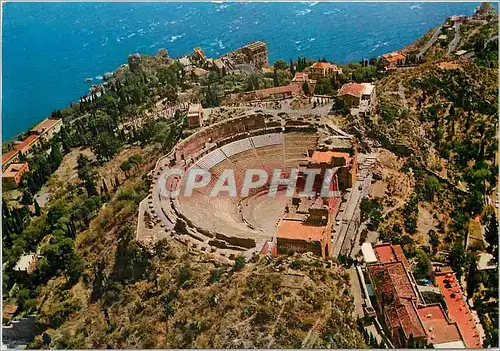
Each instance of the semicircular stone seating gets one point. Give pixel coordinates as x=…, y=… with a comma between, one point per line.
x=216, y=224
x=221, y=214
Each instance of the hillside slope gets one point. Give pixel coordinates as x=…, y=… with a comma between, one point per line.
x=175, y=299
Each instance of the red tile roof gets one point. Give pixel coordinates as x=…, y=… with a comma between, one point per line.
x=354, y=89
x=9, y=155
x=439, y=329
x=292, y=88
x=300, y=77
x=395, y=293
x=410, y=322
x=387, y=253
x=458, y=309
x=26, y=143
x=324, y=65
x=45, y=125
x=393, y=57
x=402, y=283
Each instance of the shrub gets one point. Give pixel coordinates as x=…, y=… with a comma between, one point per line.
x=184, y=274
x=239, y=263
x=215, y=275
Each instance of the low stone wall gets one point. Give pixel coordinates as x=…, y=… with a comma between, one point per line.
x=242, y=242
x=288, y=246
x=223, y=245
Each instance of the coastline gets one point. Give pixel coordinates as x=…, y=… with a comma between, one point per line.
x=339, y=37
x=25, y=133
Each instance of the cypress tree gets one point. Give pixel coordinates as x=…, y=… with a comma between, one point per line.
x=105, y=187
x=472, y=278
x=411, y=342
x=117, y=182
x=5, y=209
x=38, y=210
x=491, y=235
x=305, y=88
x=73, y=227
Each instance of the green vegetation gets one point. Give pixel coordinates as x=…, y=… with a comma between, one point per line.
x=96, y=287
x=98, y=122
x=181, y=305
x=371, y=210
x=239, y=263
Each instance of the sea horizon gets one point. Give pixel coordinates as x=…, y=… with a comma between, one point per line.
x=45, y=64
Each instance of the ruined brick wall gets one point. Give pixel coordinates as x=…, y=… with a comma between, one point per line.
x=218, y=132
x=235, y=241
x=289, y=246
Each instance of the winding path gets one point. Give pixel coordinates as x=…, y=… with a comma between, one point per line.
x=453, y=44
x=431, y=41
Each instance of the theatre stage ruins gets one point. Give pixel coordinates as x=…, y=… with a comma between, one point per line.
x=226, y=226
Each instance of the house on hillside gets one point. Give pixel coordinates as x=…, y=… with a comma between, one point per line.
x=356, y=94
x=302, y=77
x=324, y=70
x=44, y=131
x=47, y=128
x=195, y=115
x=12, y=176
x=410, y=322
x=392, y=60
x=26, y=264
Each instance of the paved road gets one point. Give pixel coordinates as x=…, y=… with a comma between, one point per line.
x=453, y=44
x=431, y=41
x=356, y=292
x=43, y=196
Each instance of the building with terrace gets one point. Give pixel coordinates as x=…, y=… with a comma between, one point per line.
x=408, y=320
x=25, y=147
x=255, y=53
x=9, y=157
x=12, y=175
x=392, y=60
x=356, y=94
x=321, y=70
x=195, y=115
x=47, y=128
x=44, y=131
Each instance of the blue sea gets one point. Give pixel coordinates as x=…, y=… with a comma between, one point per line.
x=50, y=48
